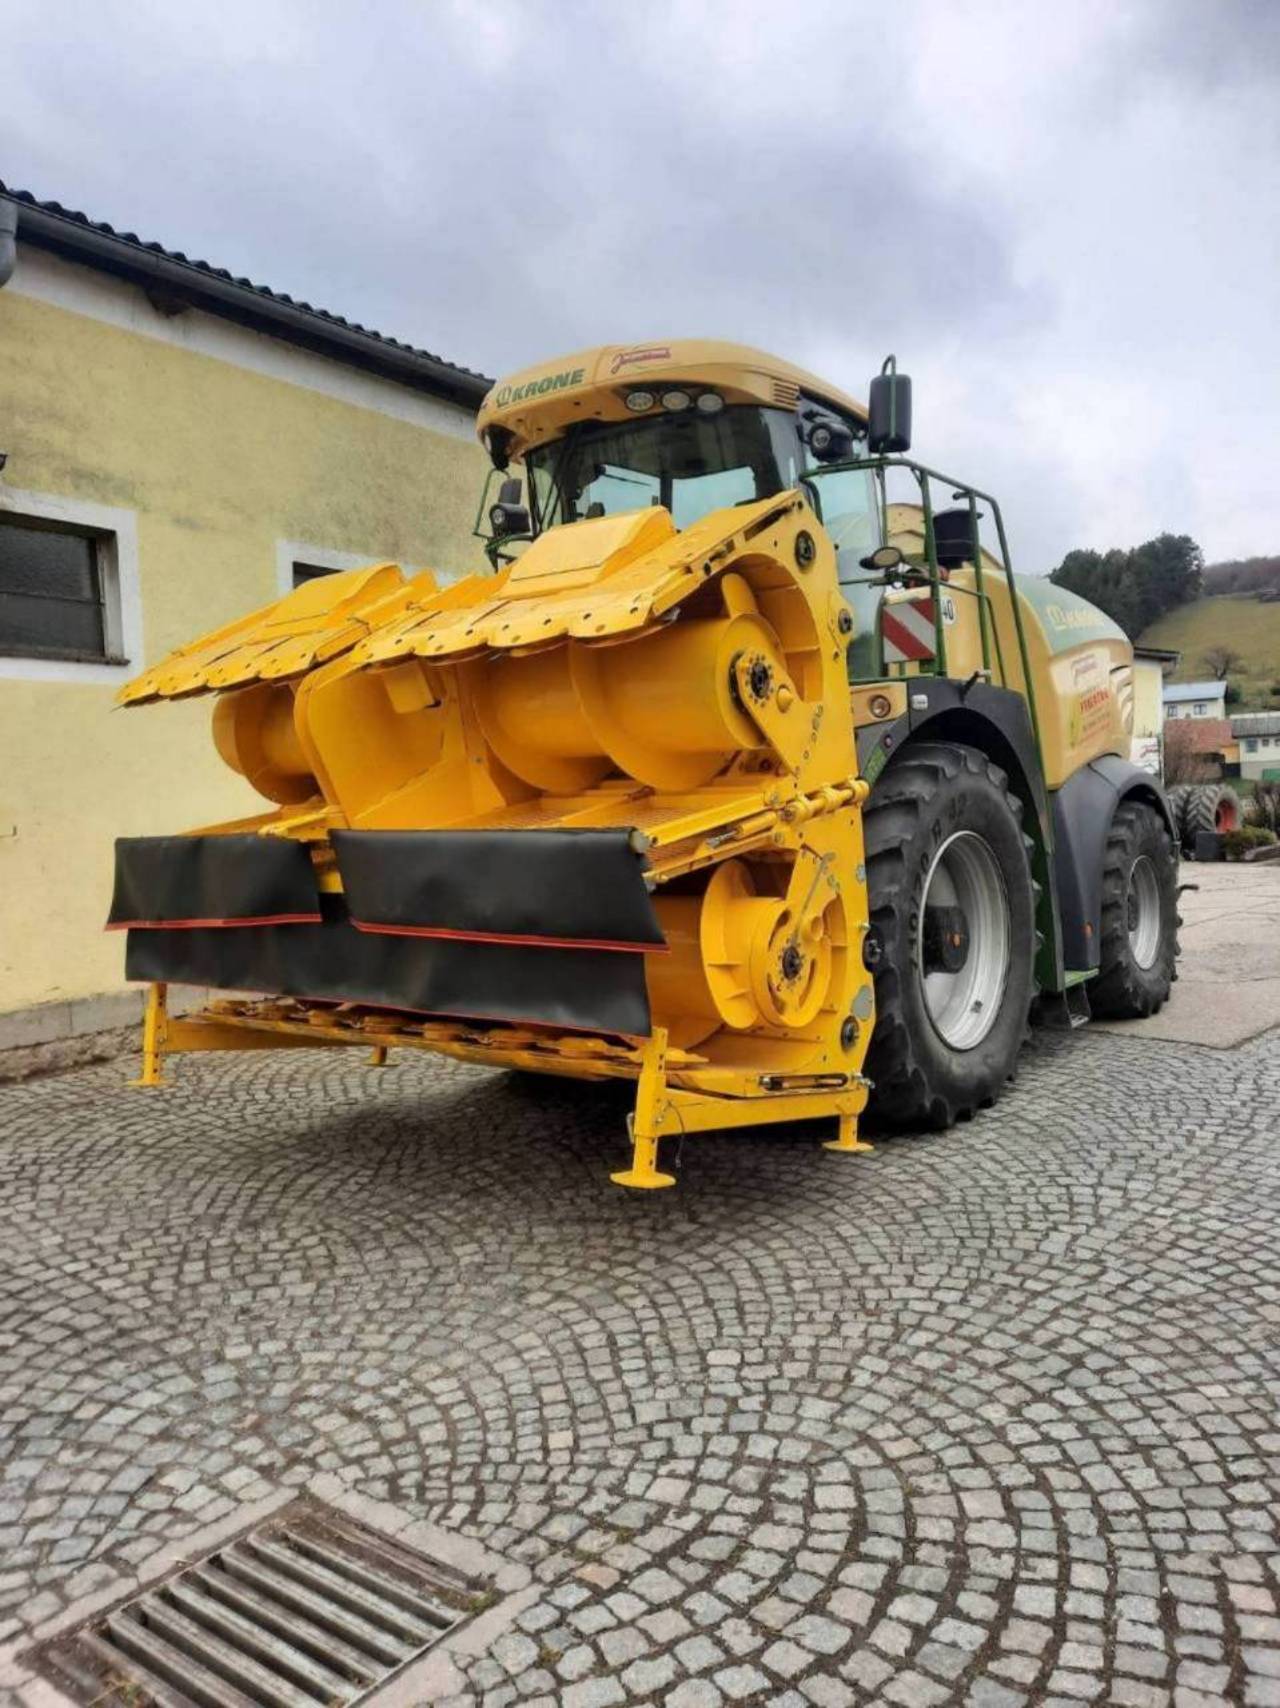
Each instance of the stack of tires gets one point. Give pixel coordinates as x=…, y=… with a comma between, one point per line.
x=1195, y=807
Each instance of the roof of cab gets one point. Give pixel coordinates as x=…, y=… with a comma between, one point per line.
x=539, y=402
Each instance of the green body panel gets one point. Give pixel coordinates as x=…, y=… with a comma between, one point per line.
x=1064, y=617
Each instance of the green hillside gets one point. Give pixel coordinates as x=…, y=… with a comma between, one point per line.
x=1247, y=626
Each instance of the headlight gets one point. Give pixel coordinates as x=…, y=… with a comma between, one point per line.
x=639, y=401
x=498, y=518
x=676, y=399
x=711, y=403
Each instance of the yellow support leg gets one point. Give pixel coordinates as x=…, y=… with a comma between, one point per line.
x=155, y=1028
x=644, y=1172
x=847, y=1140
x=378, y=1056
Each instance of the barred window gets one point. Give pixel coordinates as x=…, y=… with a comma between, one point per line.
x=58, y=591
x=303, y=572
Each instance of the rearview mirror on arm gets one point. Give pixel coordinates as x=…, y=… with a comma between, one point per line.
x=889, y=411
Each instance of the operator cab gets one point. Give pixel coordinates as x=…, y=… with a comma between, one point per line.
x=694, y=427
x=696, y=460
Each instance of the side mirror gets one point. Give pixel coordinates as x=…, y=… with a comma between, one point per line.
x=883, y=557
x=953, y=538
x=508, y=516
x=889, y=411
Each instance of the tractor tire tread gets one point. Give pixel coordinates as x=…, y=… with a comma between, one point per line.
x=903, y=1095
x=1122, y=989
x=1201, y=809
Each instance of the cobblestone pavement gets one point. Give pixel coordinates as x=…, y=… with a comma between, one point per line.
x=991, y=1417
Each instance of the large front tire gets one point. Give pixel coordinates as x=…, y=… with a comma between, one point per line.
x=953, y=926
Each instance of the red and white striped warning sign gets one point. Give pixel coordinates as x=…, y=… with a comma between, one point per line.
x=908, y=630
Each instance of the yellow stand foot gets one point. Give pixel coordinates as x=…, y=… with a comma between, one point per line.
x=647, y=1180
x=378, y=1056
x=848, y=1141
x=644, y=1172
x=155, y=1025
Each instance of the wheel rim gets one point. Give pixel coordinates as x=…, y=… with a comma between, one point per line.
x=963, y=1005
x=1143, y=912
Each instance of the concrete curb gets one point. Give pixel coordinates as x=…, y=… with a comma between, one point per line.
x=52, y=1037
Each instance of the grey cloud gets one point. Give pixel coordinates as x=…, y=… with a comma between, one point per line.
x=507, y=181
x=1217, y=46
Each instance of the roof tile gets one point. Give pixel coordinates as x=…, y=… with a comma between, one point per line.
x=150, y=247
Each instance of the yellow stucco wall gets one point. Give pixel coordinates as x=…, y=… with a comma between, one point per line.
x=219, y=463
x=1148, y=710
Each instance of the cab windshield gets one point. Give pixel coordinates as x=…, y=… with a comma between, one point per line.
x=690, y=463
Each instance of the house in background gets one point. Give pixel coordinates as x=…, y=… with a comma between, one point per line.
x=1195, y=700
x=179, y=448
x=1151, y=665
x=1258, y=734
x=1200, y=750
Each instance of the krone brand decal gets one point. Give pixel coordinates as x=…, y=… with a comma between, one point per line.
x=1065, y=619
x=636, y=358
x=535, y=388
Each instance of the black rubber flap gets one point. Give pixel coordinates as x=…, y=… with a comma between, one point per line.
x=203, y=881
x=590, y=990
x=558, y=887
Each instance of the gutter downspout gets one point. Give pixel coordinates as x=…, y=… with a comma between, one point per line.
x=8, y=239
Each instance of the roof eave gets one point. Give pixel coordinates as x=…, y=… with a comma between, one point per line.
x=244, y=303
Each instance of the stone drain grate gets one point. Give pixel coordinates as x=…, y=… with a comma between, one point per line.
x=309, y=1608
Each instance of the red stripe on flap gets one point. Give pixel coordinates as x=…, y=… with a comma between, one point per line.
x=509, y=937
x=199, y=924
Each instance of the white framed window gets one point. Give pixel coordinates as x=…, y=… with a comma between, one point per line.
x=299, y=561
x=70, y=608
x=310, y=572
x=1251, y=744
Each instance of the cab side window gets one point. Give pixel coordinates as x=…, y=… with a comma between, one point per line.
x=847, y=498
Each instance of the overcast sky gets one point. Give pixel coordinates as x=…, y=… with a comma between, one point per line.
x=1064, y=219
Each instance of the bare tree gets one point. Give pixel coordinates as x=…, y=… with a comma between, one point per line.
x=1183, y=761
x=1221, y=660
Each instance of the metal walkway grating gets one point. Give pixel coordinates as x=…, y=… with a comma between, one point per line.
x=309, y=1608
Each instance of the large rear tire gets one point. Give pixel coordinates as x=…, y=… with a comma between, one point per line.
x=1177, y=797
x=1210, y=806
x=1139, y=916
x=953, y=935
